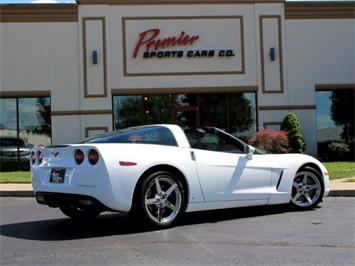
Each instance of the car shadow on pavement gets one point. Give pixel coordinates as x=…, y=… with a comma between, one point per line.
x=216, y=216
x=122, y=224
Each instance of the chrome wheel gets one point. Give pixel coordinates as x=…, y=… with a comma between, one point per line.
x=307, y=189
x=163, y=199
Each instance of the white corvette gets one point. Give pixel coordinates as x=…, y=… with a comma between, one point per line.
x=161, y=171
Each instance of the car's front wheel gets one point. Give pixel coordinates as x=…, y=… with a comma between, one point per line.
x=80, y=213
x=307, y=189
x=162, y=199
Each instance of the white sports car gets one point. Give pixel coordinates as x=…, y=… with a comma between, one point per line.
x=161, y=171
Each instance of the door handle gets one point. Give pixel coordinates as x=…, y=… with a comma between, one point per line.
x=193, y=157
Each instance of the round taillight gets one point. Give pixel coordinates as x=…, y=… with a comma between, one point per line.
x=33, y=157
x=93, y=157
x=40, y=157
x=79, y=156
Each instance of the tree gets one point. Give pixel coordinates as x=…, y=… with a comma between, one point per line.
x=129, y=112
x=240, y=112
x=342, y=112
x=270, y=141
x=291, y=125
x=157, y=109
x=44, y=114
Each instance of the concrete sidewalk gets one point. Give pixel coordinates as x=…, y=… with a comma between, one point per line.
x=338, y=188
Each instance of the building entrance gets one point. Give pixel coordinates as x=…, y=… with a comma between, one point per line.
x=186, y=116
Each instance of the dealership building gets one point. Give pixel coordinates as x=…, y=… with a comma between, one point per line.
x=71, y=71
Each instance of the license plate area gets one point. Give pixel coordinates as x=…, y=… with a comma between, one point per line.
x=57, y=176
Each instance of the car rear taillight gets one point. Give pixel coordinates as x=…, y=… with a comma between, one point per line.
x=40, y=157
x=93, y=157
x=79, y=156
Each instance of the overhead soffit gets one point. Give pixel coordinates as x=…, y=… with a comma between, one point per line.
x=172, y=2
x=319, y=10
x=69, y=12
x=39, y=13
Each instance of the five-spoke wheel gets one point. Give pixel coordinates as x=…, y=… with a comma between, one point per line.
x=307, y=189
x=162, y=199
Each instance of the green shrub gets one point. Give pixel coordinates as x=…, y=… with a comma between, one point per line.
x=291, y=125
x=335, y=151
x=13, y=165
x=270, y=141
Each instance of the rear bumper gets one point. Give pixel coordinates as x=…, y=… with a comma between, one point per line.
x=64, y=199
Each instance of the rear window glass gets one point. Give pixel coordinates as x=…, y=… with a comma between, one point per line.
x=150, y=135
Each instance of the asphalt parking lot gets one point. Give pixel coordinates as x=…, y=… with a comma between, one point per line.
x=32, y=234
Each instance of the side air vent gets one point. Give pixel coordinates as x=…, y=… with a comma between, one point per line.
x=278, y=183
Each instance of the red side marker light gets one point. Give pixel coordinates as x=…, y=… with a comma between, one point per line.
x=125, y=163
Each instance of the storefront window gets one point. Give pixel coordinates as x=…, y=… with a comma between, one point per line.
x=157, y=109
x=242, y=116
x=213, y=110
x=24, y=123
x=185, y=110
x=127, y=111
x=234, y=112
x=335, y=122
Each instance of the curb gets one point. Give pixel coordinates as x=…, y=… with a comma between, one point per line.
x=21, y=193
x=342, y=193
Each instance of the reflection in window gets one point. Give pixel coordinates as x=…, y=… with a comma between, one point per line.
x=335, y=124
x=157, y=109
x=213, y=110
x=8, y=123
x=26, y=123
x=233, y=112
x=127, y=111
x=335, y=115
x=136, y=110
x=242, y=114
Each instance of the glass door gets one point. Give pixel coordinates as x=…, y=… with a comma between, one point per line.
x=185, y=110
x=186, y=117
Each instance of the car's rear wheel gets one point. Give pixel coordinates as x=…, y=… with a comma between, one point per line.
x=162, y=199
x=80, y=213
x=307, y=189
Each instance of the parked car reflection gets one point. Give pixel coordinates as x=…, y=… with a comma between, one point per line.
x=13, y=149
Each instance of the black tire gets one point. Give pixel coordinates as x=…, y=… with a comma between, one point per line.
x=161, y=199
x=307, y=189
x=80, y=213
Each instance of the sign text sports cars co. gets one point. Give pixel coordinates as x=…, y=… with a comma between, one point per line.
x=170, y=47
x=183, y=46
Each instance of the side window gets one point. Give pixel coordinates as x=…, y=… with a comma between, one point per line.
x=194, y=138
x=229, y=144
x=210, y=140
x=225, y=146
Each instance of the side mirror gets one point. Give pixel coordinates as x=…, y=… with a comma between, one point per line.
x=249, y=150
